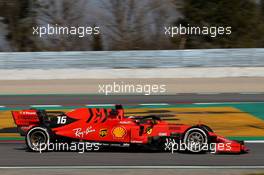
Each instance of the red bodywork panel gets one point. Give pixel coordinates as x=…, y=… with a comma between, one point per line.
x=100, y=125
x=109, y=125
x=233, y=146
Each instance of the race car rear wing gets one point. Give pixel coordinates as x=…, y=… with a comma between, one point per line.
x=25, y=117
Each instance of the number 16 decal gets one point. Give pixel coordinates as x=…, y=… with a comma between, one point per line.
x=62, y=119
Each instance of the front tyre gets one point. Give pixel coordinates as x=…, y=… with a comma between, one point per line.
x=37, y=139
x=196, y=140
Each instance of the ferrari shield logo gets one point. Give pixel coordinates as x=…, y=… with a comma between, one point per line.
x=103, y=132
x=149, y=130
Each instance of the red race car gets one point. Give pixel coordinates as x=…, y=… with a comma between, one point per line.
x=111, y=127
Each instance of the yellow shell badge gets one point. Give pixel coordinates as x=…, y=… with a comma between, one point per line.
x=119, y=132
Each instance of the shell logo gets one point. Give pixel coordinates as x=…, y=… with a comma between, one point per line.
x=119, y=132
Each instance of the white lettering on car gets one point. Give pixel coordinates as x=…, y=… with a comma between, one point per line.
x=81, y=133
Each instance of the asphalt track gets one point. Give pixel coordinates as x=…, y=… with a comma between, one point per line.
x=15, y=154
x=82, y=99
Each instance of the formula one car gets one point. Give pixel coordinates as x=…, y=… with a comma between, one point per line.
x=110, y=126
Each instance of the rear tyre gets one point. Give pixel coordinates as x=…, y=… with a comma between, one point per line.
x=196, y=140
x=37, y=139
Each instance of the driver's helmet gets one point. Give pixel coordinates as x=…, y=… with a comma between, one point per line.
x=149, y=122
x=133, y=117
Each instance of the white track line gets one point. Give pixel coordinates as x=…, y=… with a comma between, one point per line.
x=207, y=93
x=100, y=105
x=2, y=107
x=254, y=141
x=39, y=106
x=225, y=103
x=250, y=93
x=133, y=167
x=153, y=104
x=213, y=103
